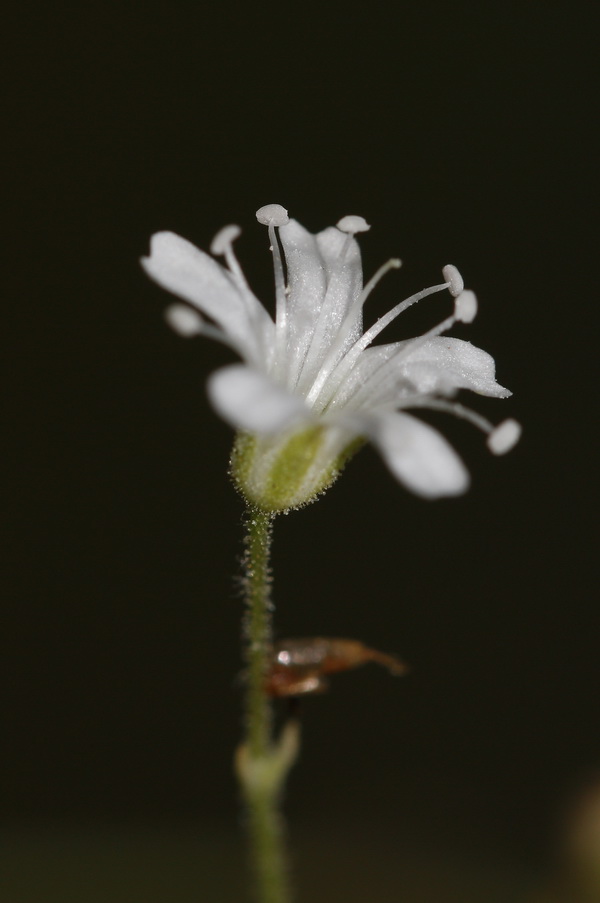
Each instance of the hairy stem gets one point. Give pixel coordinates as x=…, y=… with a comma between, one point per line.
x=261, y=765
x=258, y=629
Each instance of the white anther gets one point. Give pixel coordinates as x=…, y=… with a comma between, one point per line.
x=353, y=224
x=272, y=215
x=504, y=437
x=184, y=320
x=465, y=306
x=224, y=239
x=452, y=276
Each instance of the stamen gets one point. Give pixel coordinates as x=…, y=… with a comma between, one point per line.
x=504, y=437
x=377, y=376
x=465, y=306
x=454, y=279
x=372, y=333
x=353, y=224
x=393, y=264
x=500, y=439
x=453, y=407
x=348, y=361
x=222, y=244
x=272, y=215
x=187, y=322
x=184, y=320
x=224, y=239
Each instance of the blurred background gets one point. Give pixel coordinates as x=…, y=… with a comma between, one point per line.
x=463, y=133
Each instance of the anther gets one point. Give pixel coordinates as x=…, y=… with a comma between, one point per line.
x=465, y=306
x=353, y=224
x=504, y=437
x=455, y=280
x=183, y=320
x=272, y=215
x=224, y=239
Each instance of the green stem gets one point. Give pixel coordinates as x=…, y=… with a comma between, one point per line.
x=258, y=628
x=261, y=765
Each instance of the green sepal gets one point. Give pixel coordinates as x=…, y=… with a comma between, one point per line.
x=282, y=473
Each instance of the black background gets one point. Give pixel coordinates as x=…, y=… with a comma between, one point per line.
x=463, y=133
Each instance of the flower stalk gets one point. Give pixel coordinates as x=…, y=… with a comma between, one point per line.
x=261, y=764
x=258, y=628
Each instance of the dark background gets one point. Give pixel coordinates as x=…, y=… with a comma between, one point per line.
x=463, y=133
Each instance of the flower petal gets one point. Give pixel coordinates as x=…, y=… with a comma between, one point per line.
x=251, y=401
x=306, y=276
x=417, y=455
x=189, y=273
x=343, y=265
x=385, y=375
x=341, y=255
x=343, y=272
x=445, y=364
x=369, y=362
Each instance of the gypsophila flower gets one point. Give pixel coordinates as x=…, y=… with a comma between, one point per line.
x=312, y=387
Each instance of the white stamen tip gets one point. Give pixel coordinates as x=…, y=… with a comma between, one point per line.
x=452, y=276
x=224, y=239
x=353, y=224
x=183, y=320
x=272, y=215
x=465, y=306
x=504, y=437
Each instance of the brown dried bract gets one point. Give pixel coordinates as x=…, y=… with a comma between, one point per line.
x=298, y=666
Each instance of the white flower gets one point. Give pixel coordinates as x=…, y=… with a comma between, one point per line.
x=311, y=386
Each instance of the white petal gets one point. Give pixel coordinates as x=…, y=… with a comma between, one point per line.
x=369, y=361
x=418, y=456
x=251, y=401
x=440, y=366
x=343, y=274
x=188, y=272
x=306, y=285
x=344, y=270
x=460, y=363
